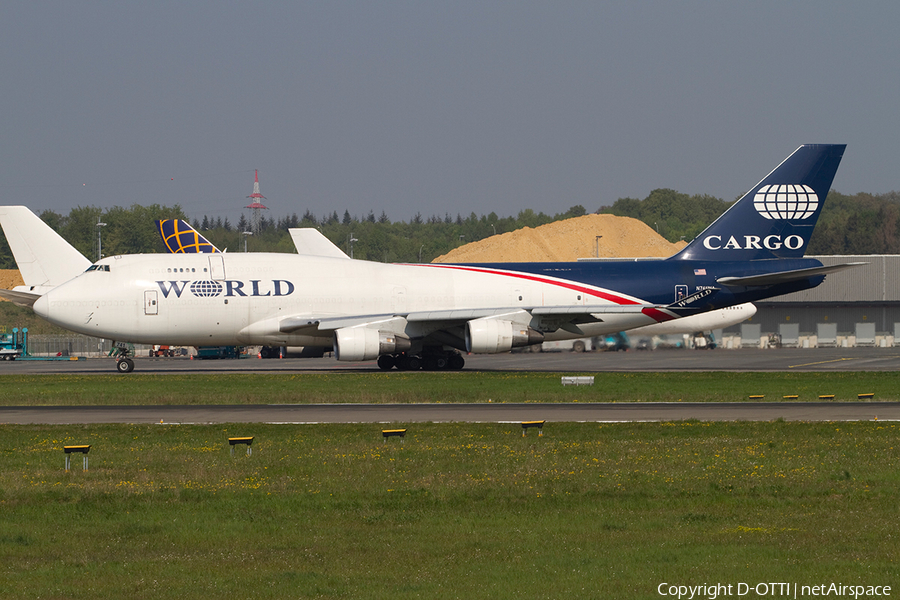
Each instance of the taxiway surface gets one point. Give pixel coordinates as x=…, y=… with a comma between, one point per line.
x=770, y=360
x=445, y=413
x=808, y=360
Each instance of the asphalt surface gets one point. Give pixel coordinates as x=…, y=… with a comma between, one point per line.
x=444, y=413
x=806, y=360
x=782, y=359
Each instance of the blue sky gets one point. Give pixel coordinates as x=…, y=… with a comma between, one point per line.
x=435, y=107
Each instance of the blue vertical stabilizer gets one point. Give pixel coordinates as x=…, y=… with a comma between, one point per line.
x=775, y=219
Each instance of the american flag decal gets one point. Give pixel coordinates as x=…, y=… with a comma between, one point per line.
x=699, y=271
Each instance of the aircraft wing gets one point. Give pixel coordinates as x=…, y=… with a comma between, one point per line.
x=574, y=314
x=784, y=276
x=327, y=323
x=297, y=324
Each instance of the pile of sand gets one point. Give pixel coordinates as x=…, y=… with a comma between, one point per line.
x=9, y=279
x=569, y=240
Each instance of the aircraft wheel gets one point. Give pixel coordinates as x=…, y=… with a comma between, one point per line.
x=125, y=365
x=409, y=363
x=578, y=346
x=441, y=363
x=457, y=362
x=386, y=362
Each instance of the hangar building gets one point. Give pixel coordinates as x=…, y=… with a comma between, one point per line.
x=856, y=307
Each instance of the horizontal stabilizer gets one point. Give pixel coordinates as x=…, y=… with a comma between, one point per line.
x=24, y=299
x=784, y=276
x=311, y=242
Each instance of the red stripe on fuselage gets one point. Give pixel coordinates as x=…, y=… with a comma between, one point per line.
x=658, y=315
x=654, y=313
x=565, y=284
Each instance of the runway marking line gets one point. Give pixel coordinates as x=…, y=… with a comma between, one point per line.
x=823, y=362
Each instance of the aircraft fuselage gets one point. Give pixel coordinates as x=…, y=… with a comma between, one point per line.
x=241, y=299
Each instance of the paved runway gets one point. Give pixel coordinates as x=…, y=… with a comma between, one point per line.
x=783, y=359
x=807, y=360
x=472, y=413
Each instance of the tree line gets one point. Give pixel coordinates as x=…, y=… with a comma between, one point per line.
x=858, y=224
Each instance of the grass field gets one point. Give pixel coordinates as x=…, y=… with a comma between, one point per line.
x=457, y=511
x=436, y=387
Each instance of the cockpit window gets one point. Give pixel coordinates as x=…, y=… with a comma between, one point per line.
x=98, y=268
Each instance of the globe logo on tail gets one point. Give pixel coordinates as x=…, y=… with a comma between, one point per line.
x=786, y=201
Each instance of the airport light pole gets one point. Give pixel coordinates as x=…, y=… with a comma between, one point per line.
x=100, y=225
x=246, y=234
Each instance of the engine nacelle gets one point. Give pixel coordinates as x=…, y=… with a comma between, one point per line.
x=359, y=343
x=489, y=336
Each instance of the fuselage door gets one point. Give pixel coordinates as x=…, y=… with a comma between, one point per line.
x=216, y=267
x=398, y=300
x=681, y=291
x=151, y=303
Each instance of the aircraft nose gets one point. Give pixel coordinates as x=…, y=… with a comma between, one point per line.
x=42, y=307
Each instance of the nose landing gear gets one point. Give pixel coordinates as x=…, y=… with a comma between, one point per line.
x=122, y=351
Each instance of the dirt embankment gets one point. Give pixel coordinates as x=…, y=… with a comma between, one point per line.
x=10, y=278
x=606, y=236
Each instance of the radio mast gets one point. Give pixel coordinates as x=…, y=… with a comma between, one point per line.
x=255, y=205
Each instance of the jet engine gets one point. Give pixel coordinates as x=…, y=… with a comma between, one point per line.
x=359, y=343
x=488, y=336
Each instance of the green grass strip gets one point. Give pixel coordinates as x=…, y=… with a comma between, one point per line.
x=394, y=387
x=456, y=511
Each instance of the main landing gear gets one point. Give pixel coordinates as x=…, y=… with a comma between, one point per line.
x=428, y=361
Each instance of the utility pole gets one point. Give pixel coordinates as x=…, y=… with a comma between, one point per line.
x=100, y=225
